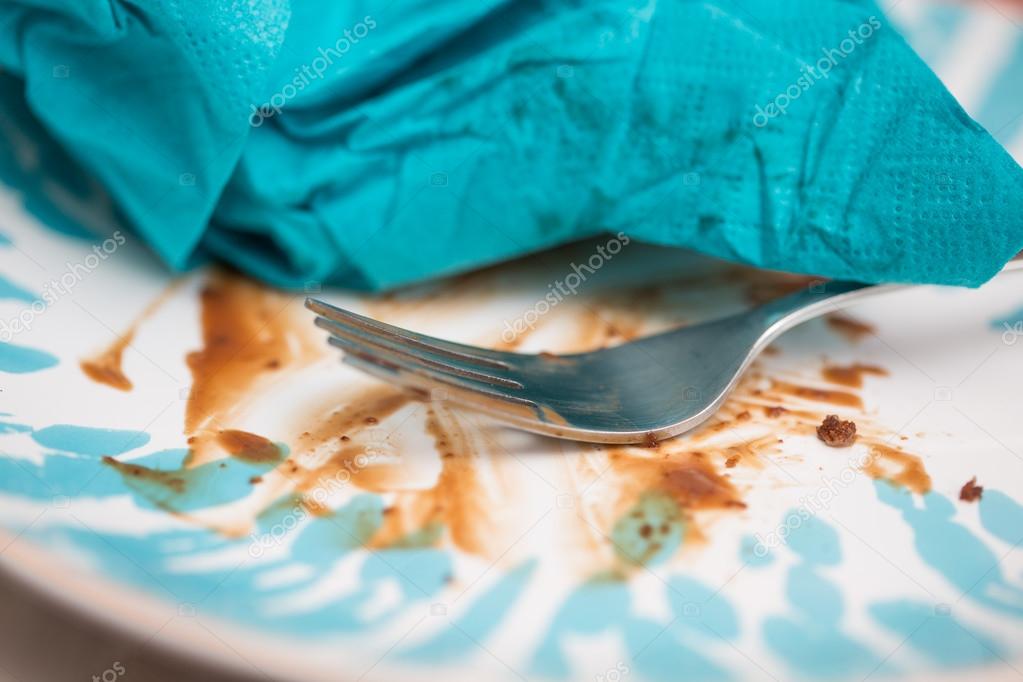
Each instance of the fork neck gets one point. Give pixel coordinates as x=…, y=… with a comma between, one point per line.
x=828, y=296
x=818, y=299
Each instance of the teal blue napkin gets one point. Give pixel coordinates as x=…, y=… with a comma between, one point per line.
x=376, y=144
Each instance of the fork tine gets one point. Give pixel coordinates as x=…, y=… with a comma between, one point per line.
x=386, y=369
x=346, y=339
x=456, y=351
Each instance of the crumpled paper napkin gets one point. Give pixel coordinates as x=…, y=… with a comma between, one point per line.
x=375, y=144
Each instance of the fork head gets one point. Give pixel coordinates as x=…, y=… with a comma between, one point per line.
x=643, y=391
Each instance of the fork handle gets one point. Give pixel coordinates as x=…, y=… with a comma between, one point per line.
x=830, y=296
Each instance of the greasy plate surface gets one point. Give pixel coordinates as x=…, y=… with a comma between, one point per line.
x=190, y=457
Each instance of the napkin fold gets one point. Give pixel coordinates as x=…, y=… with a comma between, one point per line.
x=376, y=144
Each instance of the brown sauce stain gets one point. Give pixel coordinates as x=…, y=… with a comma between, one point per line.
x=172, y=480
x=818, y=395
x=249, y=333
x=850, y=375
x=697, y=485
x=327, y=448
x=688, y=477
x=107, y=365
x=455, y=506
x=250, y=338
x=852, y=329
x=898, y=467
x=249, y=447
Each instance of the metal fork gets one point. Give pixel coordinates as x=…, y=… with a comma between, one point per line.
x=646, y=390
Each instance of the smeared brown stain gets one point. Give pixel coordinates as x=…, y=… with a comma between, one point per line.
x=971, y=492
x=454, y=505
x=106, y=368
x=249, y=447
x=337, y=455
x=250, y=340
x=696, y=485
x=172, y=480
x=853, y=330
x=850, y=375
x=690, y=479
x=107, y=365
x=818, y=395
x=248, y=332
x=896, y=466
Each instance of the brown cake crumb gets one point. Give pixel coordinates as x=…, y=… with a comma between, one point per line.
x=775, y=411
x=836, y=432
x=732, y=461
x=971, y=492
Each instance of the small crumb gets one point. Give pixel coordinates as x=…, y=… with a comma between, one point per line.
x=836, y=433
x=775, y=411
x=371, y=420
x=645, y=530
x=650, y=440
x=345, y=438
x=742, y=416
x=732, y=461
x=256, y=479
x=273, y=364
x=970, y=491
